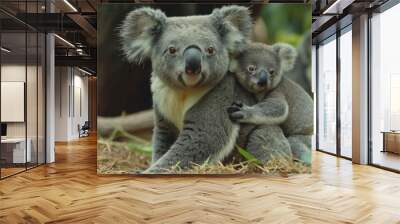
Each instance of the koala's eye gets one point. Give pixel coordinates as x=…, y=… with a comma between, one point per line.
x=210, y=51
x=251, y=68
x=172, y=50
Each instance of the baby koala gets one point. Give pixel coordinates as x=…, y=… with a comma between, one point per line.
x=283, y=114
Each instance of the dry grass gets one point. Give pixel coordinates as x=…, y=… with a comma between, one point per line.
x=123, y=153
x=273, y=167
x=119, y=158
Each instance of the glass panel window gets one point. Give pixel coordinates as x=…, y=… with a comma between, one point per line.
x=385, y=89
x=346, y=94
x=327, y=96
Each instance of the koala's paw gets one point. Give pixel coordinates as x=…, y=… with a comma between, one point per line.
x=237, y=112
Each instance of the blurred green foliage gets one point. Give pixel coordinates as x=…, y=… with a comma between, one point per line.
x=286, y=22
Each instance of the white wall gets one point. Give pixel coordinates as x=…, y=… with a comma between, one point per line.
x=16, y=73
x=62, y=81
x=80, y=112
x=71, y=102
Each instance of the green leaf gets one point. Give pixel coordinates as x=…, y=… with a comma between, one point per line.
x=146, y=149
x=248, y=156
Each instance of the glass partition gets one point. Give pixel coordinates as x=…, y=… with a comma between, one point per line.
x=22, y=107
x=14, y=151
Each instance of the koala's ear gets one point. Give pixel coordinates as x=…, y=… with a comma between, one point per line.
x=286, y=54
x=138, y=32
x=234, y=24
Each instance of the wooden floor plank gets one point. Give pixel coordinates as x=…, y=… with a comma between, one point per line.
x=70, y=191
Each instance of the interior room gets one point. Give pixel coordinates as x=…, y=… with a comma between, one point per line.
x=72, y=106
x=28, y=100
x=49, y=103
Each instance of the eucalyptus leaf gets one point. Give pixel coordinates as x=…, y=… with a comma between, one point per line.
x=248, y=156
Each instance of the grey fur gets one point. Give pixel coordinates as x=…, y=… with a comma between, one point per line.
x=165, y=134
x=268, y=142
x=206, y=132
x=301, y=72
x=207, y=129
x=280, y=102
x=302, y=146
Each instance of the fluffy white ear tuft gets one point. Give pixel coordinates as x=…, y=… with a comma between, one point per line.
x=234, y=24
x=138, y=32
x=286, y=54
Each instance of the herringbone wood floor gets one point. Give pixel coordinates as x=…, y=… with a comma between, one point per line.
x=69, y=191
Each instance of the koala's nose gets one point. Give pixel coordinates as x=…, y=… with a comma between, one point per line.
x=192, y=57
x=262, y=81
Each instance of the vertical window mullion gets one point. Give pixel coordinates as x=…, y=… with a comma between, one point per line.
x=338, y=73
x=369, y=73
x=317, y=96
x=37, y=90
x=26, y=86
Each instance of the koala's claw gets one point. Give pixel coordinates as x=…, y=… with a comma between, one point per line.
x=233, y=109
x=237, y=103
x=236, y=116
x=236, y=111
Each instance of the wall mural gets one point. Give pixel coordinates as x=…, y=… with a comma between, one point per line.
x=204, y=89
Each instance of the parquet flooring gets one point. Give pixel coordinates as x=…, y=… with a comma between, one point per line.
x=10, y=171
x=69, y=191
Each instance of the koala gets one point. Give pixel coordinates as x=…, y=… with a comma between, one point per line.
x=283, y=112
x=190, y=89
